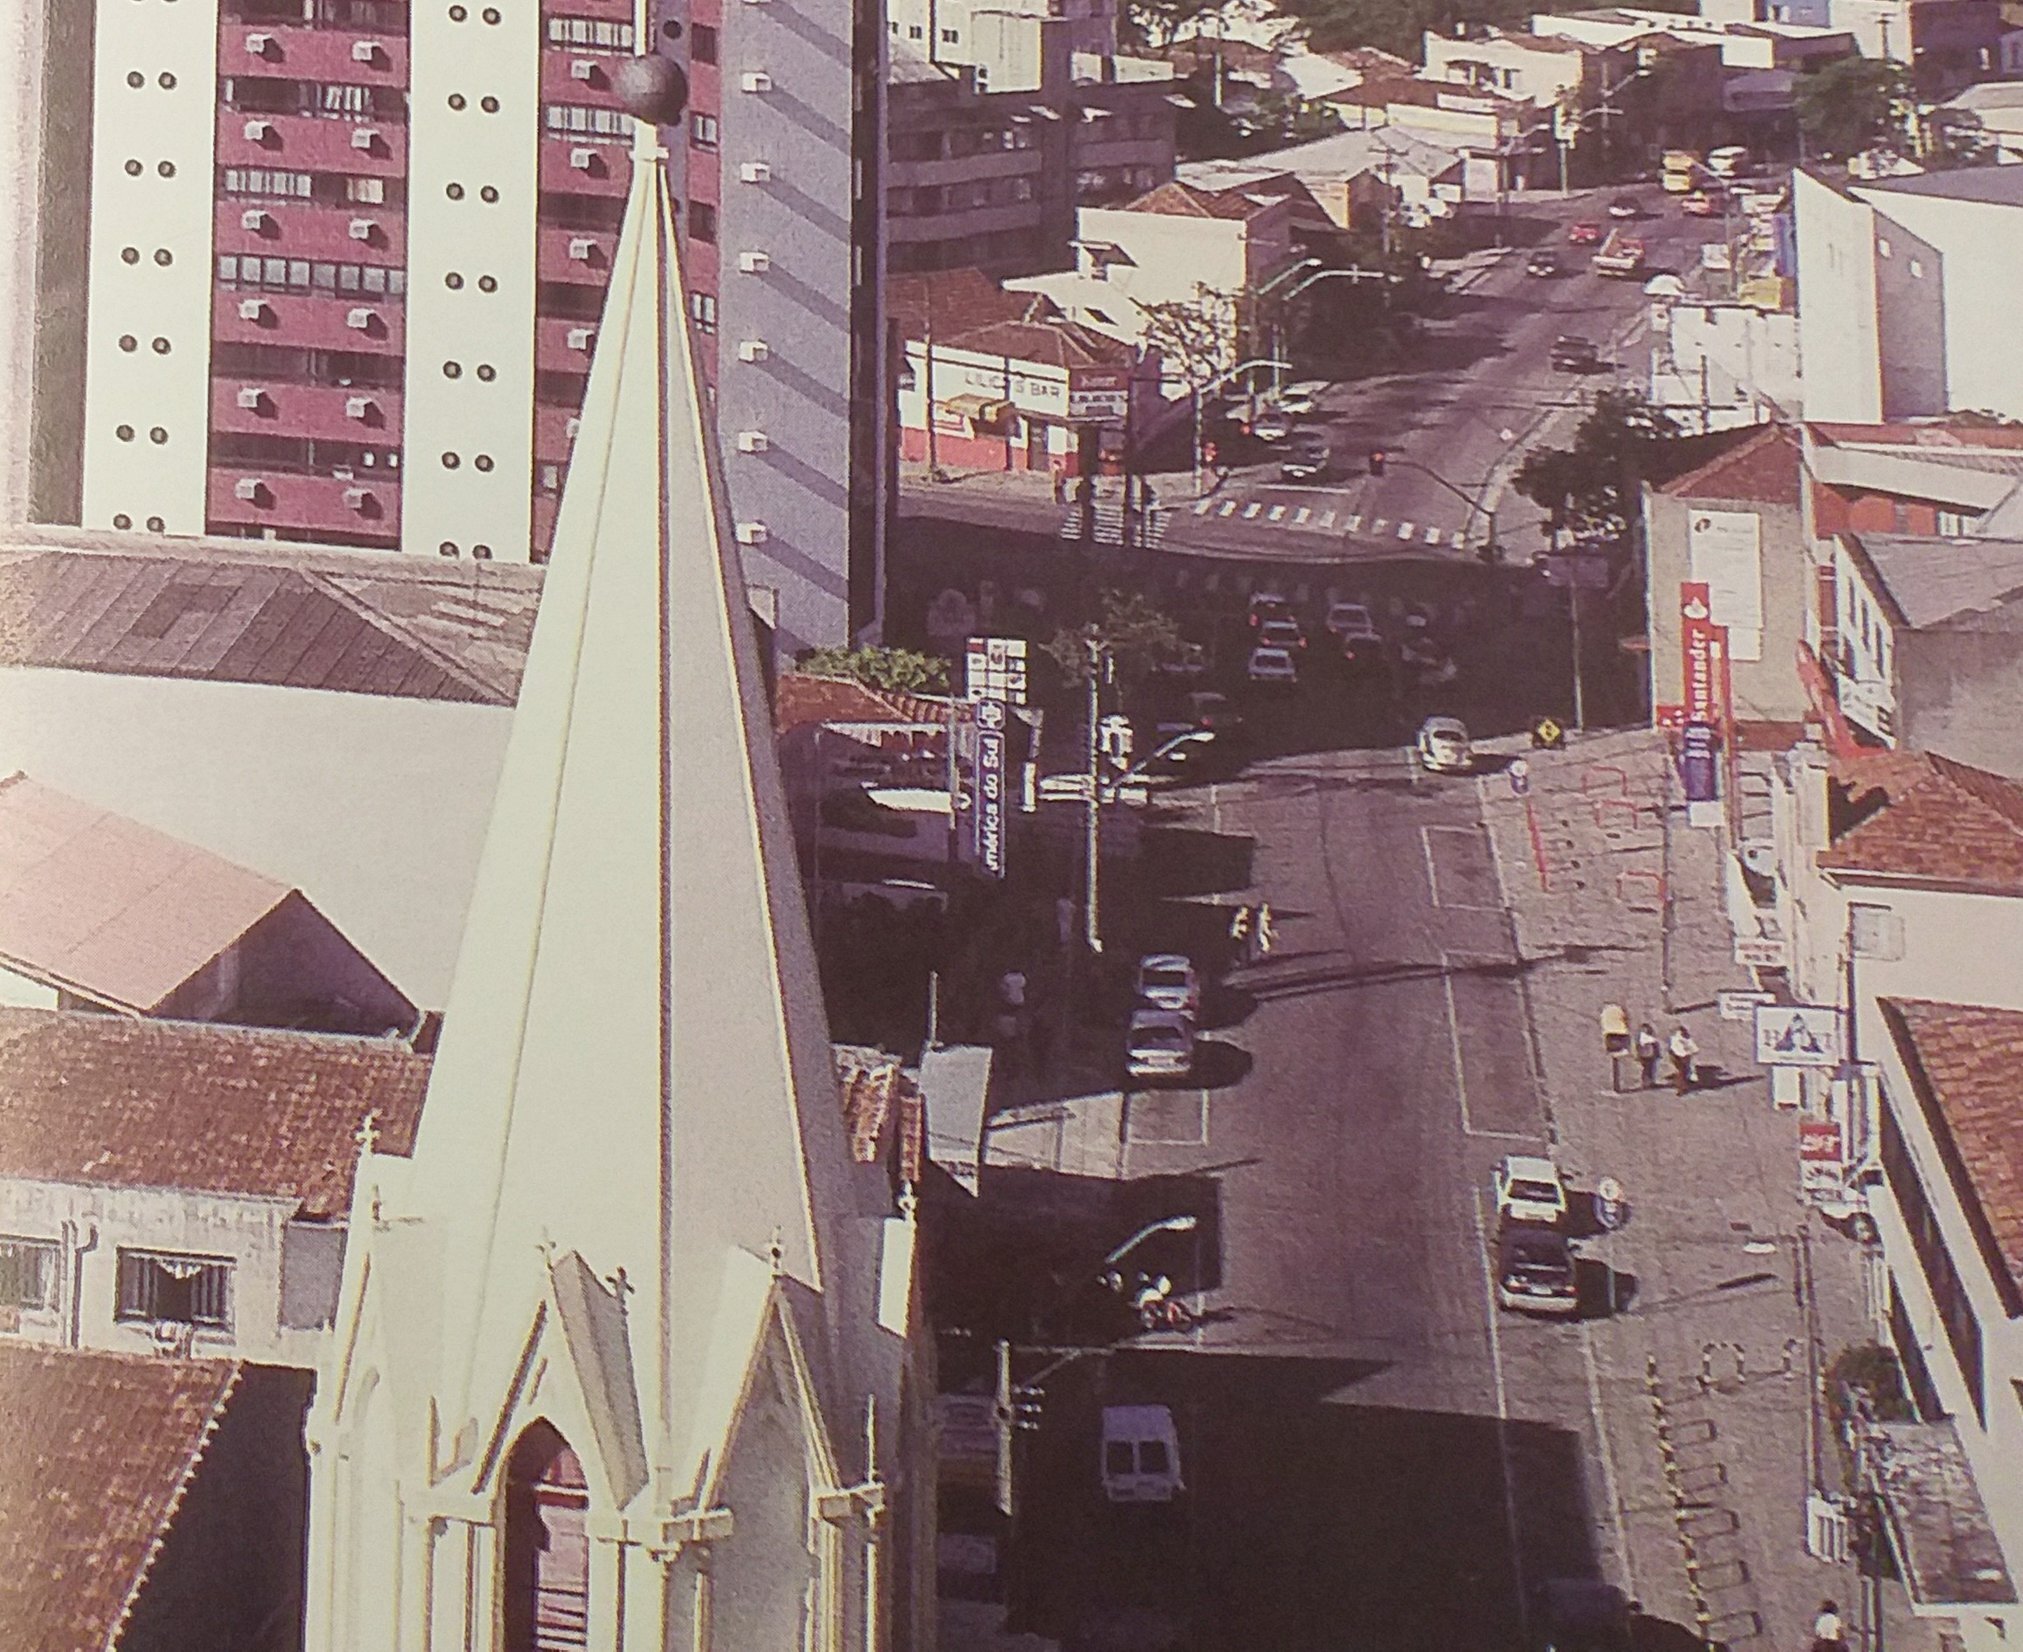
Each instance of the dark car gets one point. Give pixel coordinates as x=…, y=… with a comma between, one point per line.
x=1574, y=354
x=1535, y=1270
x=1305, y=458
x=1541, y=264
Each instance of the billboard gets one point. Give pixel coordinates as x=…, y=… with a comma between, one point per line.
x=1725, y=549
x=1702, y=651
x=1798, y=1035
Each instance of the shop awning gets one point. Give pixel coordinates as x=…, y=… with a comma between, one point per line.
x=983, y=409
x=1944, y=1542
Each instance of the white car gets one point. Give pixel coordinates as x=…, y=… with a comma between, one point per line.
x=1350, y=619
x=1272, y=666
x=1529, y=1189
x=1160, y=1044
x=1299, y=400
x=1166, y=981
x=1271, y=426
x=1443, y=746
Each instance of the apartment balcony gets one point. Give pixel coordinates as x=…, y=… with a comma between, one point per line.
x=579, y=255
x=562, y=345
x=955, y=226
x=280, y=408
x=308, y=229
x=253, y=496
x=309, y=321
x=583, y=166
x=579, y=74
x=313, y=143
x=293, y=51
x=988, y=163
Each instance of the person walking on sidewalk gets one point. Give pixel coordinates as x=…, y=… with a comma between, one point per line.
x=1682, y=1050
x=1267, y=936
x=1649, y=1052
x=1239, y=934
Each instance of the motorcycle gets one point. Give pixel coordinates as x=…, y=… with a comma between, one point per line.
x=1153, y=1301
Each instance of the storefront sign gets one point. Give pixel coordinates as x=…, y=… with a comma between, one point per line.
x=1739, y=1003
x=1699, y=766
x=1822, y=1156
x=1798, y=1035
x=990, y=786
x=1098, y=393
x=1762, y=952
x=1699, y=662
x=1726, y=552
x=995, y=669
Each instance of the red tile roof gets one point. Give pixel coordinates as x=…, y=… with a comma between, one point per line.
x=113, y=909
x=1967, y=1062
x=800, y=699
x=953, y=302
x=1764, y=469
x=110, y=1100
x=1051, y=343
x=1941, y=822
x=1945, y=435
x=96, y=1450
x=1178, y=200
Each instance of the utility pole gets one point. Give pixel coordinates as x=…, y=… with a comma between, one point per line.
x=1573, y=613
x=1092, y=845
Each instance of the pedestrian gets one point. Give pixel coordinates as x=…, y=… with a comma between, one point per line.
x=1615, y=1022
x=1239, y=933
x=1267, y=936
x=1828, y=1634
x=1649, y=1051
x=1682, y=1049
x=1060, y=483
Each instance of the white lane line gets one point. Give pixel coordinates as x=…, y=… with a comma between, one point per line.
x=1405, y=530
x=1251, y=509
x=1228, y=508
x=1277, y=511
x=1460, y=540
x=1502, y=1418
x=1473, y=834
x=1299, y=520
x=1355, y=523
x=1327, y=519
x=1432, y=536
x=1432, y=877
x=1380, y=524
x=1203, y=506
x=1448, y=964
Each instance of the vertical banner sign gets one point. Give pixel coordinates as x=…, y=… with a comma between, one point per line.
x=996, y=669
x=1696, y=652
x=990, y=783
x=1698, y=763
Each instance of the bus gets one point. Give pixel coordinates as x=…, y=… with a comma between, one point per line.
x=1677, y=170
x=1731, y=162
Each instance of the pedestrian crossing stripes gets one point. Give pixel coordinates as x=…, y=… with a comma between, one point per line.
x=1311, y=518
x=1300, y=518
x=1277, y=513
x=1109, y=526
x=1404, y=530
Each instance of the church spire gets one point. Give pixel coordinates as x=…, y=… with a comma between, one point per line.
x=634, y=1055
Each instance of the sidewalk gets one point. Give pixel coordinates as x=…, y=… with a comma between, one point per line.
x=1735, y=1295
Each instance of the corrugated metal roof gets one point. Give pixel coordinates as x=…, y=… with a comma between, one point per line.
x=110, y=908
x=359, y=622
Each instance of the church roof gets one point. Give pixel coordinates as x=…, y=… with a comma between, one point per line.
x=635, y=1062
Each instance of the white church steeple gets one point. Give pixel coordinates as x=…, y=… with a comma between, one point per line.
x=630, y=1277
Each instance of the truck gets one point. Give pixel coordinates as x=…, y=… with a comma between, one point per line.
x=1730, y=161
x=1679, y=169
x=1620, y=255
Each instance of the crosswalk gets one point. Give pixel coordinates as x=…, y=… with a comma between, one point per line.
x=1330, y=521
x=1148, y=528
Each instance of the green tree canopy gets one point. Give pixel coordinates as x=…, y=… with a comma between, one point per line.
x=1135, y=631
x=1589, y=487
x=897, y=669
x=1855, y=104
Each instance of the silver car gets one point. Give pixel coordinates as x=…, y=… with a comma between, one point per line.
x=1166, y=981
x=1160, y=1044
x=1443, y=746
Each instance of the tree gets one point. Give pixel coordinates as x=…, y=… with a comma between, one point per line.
x=1590, y=486
x=1958, y=137
x=898, y=670
x=1855, y=104
x=1195, y=340
x=1160, y=22
x=1135, y=632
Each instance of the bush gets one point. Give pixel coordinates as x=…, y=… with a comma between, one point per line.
x=1866, y=1379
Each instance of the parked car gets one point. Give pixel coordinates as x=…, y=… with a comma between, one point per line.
x=1140, y=1460
x=1268, y=605
x=1574, y=354
x=1272, y=667
x=1529, y=1189
x=1300, y=400
x=1272, y=425
x=1159, y=1044
x=1306, y=457
x=1730, y=161
x=1700, y=204
x=1625, y=206
x=1535, y=1271
x=1282, y=633
x=1443, y=746
x=1350, y=619
x=1542, y=264
x=1166, y=981
x=1583, y=235
x=1188, y=664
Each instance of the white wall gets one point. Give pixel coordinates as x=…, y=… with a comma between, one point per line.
x=374, y=807
x=24, y=992
x=1839, y=340
x=475, y=240
x=244, y=1231
x=1170, y=255
x=1981, y=250
x=1537, y=75
x=1751, y=358
x=151, y=188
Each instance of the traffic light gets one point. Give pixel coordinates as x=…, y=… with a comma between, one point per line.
x=1377, y=460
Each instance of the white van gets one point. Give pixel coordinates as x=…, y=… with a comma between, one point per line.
x=1730, y=162
x=1141, y=1454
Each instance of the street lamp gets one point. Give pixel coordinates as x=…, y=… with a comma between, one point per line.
x=1092, y=835
x=1185, y=1223
x=1472, y=500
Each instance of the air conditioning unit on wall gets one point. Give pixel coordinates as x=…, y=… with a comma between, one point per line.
x=754, y=349
x=362, y=229
x=360, y=320
x=580, y=337
x=756, y=80
x=752, y=533
x=255, y=219
x=753, y=441
x=755, y=263
x=257, y=131
x=756, y=172
x=252, y=309
x=252, y=399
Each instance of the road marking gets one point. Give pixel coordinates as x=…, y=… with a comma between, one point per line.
x=1228, y=508
x=1432, y=878
x=1432, y=536
x=1354, y=524
x=1610, y=1487
x=1251, y=509
x=1277, y=511
x=1380, y=524
x=1405, y=530
x=1460, y=539
x=1474, y=834
x=1203, y=506
x=1299, y=520
x=1448, y=963
x=1327, y=519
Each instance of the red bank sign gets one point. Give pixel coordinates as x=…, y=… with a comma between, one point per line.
x=1702, y=650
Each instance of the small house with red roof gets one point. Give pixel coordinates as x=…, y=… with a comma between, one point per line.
x=1732, y=523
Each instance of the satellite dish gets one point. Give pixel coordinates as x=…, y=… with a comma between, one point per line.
x=1665, y=286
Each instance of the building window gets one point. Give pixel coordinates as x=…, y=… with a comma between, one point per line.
x=27, y=1273
x=574, y=120
x=702, y=43
x=303, y=275
x=583, y=31
x=365, y=191
x=156, y=1286
x=702, y=310
x=915, y=32
x=1955, y=525
x=702, y=220
x=949, y=37
x=260, y=180
x=702, y=130
x=1942, y=1277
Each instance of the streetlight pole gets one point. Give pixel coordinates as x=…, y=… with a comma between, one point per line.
x=1092, y=831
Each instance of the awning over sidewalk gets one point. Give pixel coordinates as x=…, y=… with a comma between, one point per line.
x=983, y=409
x=1938, y=1526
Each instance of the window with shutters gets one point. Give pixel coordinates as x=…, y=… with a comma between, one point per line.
x=160, y=1286
x=27, y=1273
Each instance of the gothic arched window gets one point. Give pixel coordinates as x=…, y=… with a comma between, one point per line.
x=546, y=1575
